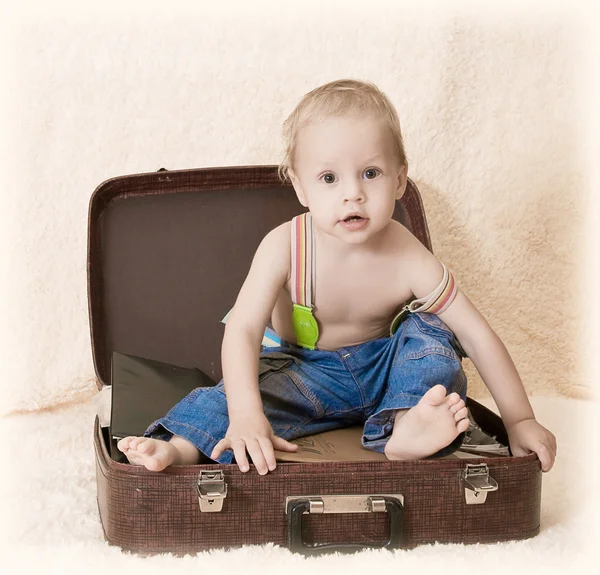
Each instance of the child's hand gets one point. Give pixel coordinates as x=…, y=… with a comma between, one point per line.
x=254, y=434
x=527, y=436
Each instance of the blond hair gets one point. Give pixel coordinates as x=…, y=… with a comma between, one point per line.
x=335, y=99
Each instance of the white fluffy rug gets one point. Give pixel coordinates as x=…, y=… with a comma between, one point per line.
x=51, y=524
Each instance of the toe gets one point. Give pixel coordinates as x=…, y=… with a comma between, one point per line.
x=461, y=414
x=462, y=425
x=136, y=442
x=435, y=396
x=123, y=444
x=453, y=399
x=147, y=446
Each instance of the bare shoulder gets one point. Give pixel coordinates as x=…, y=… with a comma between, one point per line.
x=420, y=269
x=406, y=243
x=280, y=233
x=262, y=286
x=275, y=247
x=272, y=259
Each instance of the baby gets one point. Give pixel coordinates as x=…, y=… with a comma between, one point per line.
x=332, y=282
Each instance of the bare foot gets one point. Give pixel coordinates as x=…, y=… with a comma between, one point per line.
x=429, y=426
x=155, y=454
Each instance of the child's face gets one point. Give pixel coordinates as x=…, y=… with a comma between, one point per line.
x=345, y=166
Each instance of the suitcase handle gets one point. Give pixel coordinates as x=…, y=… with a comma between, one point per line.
x=296, y=507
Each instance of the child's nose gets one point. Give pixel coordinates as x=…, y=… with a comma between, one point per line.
x=353, y=191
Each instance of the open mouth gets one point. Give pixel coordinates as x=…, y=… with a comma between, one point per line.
x=354, y=222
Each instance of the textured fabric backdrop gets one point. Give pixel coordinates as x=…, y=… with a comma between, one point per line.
x=491, y=105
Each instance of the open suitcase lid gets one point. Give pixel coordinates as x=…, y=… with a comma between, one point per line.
x=168, y=252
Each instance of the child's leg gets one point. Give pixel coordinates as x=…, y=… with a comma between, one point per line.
x=157, y=454
x=184, y=434
x=423, y=409
x=192, y=428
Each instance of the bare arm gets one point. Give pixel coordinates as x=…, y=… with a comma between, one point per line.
x=248, y=427
x=492, y=360
x=248, y=319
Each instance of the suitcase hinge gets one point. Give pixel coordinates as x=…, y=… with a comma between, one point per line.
x=212, y=489
x=477, y=483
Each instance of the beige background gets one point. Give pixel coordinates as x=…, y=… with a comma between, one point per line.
x=130, y=86
x=494, y=105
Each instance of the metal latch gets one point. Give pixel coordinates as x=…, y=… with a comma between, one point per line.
x=212, y=489
x=478, y=483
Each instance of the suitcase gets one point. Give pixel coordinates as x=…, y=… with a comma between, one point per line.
x=167, y=254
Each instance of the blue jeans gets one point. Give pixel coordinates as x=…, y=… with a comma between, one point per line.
x=305, y=392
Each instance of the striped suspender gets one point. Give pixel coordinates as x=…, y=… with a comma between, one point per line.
x=436, y=302
x=303, y=260
x=302, y=280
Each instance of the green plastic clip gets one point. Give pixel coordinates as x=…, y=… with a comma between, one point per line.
x=305, y=326
x=399, y=319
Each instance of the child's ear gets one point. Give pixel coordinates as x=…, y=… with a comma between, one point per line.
x=402, y=177
x=297, y=187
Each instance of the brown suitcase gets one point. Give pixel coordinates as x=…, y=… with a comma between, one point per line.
x=167, y=254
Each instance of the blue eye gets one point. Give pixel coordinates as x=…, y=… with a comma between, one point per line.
x=371, y=173
x=328, y=178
